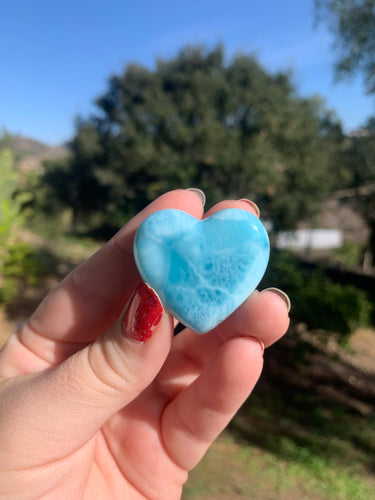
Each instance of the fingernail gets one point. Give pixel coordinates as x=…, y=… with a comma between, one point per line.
x=254, y=205
x=143, y=314
x=199, y=193
x=281, y=294
x=260, y=343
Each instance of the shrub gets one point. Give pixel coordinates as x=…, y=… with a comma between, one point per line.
x=19, y=265
x=349, y=254
x=317, y=300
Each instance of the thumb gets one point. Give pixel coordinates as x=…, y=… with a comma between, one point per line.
x=118, y=366
x=68, y=404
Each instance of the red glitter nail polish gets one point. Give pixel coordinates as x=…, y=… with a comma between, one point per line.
x=143, y=314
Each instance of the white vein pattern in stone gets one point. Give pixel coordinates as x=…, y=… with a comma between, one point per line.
x=202, y=270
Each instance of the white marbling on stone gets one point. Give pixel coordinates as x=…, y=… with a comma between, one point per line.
x=202, y=270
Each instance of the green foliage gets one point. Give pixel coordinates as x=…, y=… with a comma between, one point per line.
x=19, y=265
x=46, y=216
x=358, y=165
x=317, y=300
x=353, y=24
x=11, y=200
x=349, y=254
x=16, y=261
x=9, y=208
x=232, y=129
x=5, y=139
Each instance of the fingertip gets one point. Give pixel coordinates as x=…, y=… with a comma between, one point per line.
x=260, y=343
x=143, y=314
x=254, y=207
x=263, y=316
x=242, y=204
x=274, y=315
x=282, y=295
x=178, y=199
x=189, y=200
x=200, y=194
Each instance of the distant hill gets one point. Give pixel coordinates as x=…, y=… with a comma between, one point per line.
x=30, y=153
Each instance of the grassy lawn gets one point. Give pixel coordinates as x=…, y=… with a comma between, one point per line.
x=308, y=431
x=233, y=470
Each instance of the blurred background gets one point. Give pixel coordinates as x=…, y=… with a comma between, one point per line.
x=104, y=106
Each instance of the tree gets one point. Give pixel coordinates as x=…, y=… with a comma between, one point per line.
x=5, y=139
x=360, y=168
x=353, y=25
x=73, y=179
x=232, y=129
x=9, y=205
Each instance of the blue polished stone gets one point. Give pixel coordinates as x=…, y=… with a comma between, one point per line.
x=202, y=270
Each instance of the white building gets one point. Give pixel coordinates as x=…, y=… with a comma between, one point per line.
x=310, y=239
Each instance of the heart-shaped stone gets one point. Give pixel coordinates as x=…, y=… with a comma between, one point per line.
x=202, y=270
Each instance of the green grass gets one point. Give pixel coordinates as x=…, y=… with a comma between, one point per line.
x=235, y=471
x=321, y=476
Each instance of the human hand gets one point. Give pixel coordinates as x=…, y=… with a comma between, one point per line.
x=88, y=410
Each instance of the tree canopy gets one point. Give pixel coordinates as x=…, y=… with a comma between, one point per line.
x=353, y=25
x=230, y=128
x=360, y=167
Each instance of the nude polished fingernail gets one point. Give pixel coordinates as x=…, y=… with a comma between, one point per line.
x=143, y=314
x=260, y=342
x=254, y=205
x=199, y=193
x=281, y=294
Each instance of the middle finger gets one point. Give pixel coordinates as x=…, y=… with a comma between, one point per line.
x=263, y=316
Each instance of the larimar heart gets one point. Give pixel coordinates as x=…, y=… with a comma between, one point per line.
x=202, y=270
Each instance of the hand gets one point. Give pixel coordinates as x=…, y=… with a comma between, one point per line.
x=89, y=411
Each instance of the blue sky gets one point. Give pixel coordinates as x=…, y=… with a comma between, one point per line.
x=56, y=56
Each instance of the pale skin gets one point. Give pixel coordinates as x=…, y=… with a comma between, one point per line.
x=88, y=412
